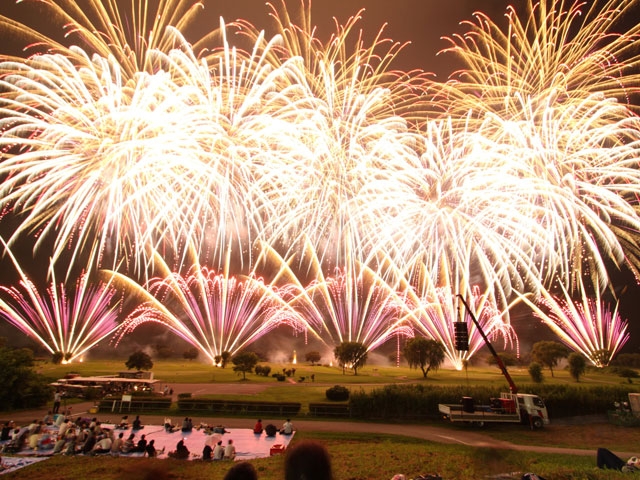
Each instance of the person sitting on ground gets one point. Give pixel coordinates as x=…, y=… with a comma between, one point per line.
x=271, y=430
x=168, y=425
x=241, y=471
x=287, y=427
x=137, y=423
x=230, y=451
x=307, y=460
x=187, y=424
x=103, y=445
x=129, y=444
x=71, y=439
x=89, y=443
x=207, y=453
x=181, y=452
x=64, y=427
x=258, y=427
x=218, y=451
x=117, y=444
x=142, y=445
x=608, y=460
x=151, y=449
x=59, y=446
x=124, y=422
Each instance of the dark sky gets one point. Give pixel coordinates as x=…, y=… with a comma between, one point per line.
x=421, y=22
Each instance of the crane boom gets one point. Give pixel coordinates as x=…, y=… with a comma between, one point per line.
x=512, y=386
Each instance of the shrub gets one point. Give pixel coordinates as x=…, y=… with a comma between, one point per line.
x=535, y=372
x=184, y=395
x=337, y=393
x=263, y=370
x=279, y=377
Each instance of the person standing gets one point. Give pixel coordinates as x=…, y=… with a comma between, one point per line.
x=57, y=398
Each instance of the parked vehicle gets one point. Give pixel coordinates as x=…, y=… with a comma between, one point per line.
x=512, y=407
x=522, y=408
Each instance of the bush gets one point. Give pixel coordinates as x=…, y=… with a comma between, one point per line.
x=337, y=393
x=184, y=395
x=535, y=372
x=263, y=370
x=278, y=376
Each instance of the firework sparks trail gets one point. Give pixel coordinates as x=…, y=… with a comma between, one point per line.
x=214, y=311
x=68, y=319
x=587, y=325
x=348, y=111
x=555, y=88
x=351, y=304
x=431, y=301
x=520, y=171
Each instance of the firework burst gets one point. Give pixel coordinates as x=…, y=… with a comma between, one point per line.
x=586, y=325
x=67, y=319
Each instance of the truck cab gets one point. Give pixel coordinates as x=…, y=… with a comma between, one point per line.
x=531, y=407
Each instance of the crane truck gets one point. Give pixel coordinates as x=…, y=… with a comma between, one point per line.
x=510, y=407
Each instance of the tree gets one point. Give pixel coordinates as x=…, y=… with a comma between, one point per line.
x=22, y=387
x=191, y=353
x=549, y=353
x=577, y=365
x=312, y=357
x=222, y=359
x=424, y=353
x=244, y=362
x=352, y=355
x=140, y=361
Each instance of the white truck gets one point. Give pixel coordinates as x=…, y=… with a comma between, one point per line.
x=522, y=408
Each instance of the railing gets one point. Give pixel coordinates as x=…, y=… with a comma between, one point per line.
x=239, y=407
x=329, y=410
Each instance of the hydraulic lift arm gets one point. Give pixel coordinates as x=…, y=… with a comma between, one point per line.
x=512, y=386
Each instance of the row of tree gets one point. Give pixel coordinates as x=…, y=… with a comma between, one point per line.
x=419, y=352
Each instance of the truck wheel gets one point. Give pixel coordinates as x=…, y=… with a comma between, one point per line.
x=537, y=422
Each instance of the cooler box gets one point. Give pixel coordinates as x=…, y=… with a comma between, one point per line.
x=277, y=449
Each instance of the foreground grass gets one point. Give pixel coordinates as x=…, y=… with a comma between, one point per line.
x=355, y=457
